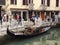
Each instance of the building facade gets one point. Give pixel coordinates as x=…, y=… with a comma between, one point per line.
x=28, y=7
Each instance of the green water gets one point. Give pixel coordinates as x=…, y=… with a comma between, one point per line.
x=51, y=37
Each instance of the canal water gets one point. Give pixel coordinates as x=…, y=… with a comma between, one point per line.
x=51, y=37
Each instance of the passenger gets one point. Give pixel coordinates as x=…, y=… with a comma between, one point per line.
x=19, y=19
x=53, y=18
x=36, y=16
x=38, y=21
x=33, y=18
x=11, y=17
x=56, y=18
x=5, y=17
x=48, y=18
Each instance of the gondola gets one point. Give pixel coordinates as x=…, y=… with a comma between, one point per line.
x=28, y=32
x=28, y=28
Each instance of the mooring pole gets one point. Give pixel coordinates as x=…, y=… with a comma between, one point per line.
x=0, y=16
x=0, y=10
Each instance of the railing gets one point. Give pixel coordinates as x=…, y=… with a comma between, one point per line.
x=43, y=7
x=31, y=6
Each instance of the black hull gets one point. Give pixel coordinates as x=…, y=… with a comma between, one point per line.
x=56, y=26
x=12, y=35
x=17, y=36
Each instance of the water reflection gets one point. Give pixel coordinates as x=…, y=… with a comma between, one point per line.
x=51, y=37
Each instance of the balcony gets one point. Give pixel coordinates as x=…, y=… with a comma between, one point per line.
x=31, y=6
x=43, y=7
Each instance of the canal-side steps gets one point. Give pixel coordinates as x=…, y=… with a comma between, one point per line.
x=3, y=30
x=3, y=27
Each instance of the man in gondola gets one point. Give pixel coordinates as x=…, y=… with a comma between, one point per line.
x=33, y=18
x=36, y=16
x=19, y=19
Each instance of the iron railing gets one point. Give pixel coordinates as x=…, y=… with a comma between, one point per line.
x=31, y=6
x=43, y=7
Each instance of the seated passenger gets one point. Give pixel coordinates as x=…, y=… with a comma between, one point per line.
x=33, y=18
x=36, y=16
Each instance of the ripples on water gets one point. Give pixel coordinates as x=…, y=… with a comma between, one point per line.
x=51, y=37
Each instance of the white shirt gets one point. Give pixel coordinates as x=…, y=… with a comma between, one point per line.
x=38, y=21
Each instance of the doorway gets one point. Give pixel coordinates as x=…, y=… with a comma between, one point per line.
x=25, y=16
x=43, y=15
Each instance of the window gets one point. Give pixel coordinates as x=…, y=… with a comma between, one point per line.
x=15, y=12
x=25, y=2
x=30, y=1
x=47, y=13
x=42, y=1
x=14, y=2
x=25, y=16
x=56, y=13
x=57, y=3
x=2, y=2
x=48, y=2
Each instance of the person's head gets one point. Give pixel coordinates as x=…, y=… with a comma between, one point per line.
x=33, y=14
